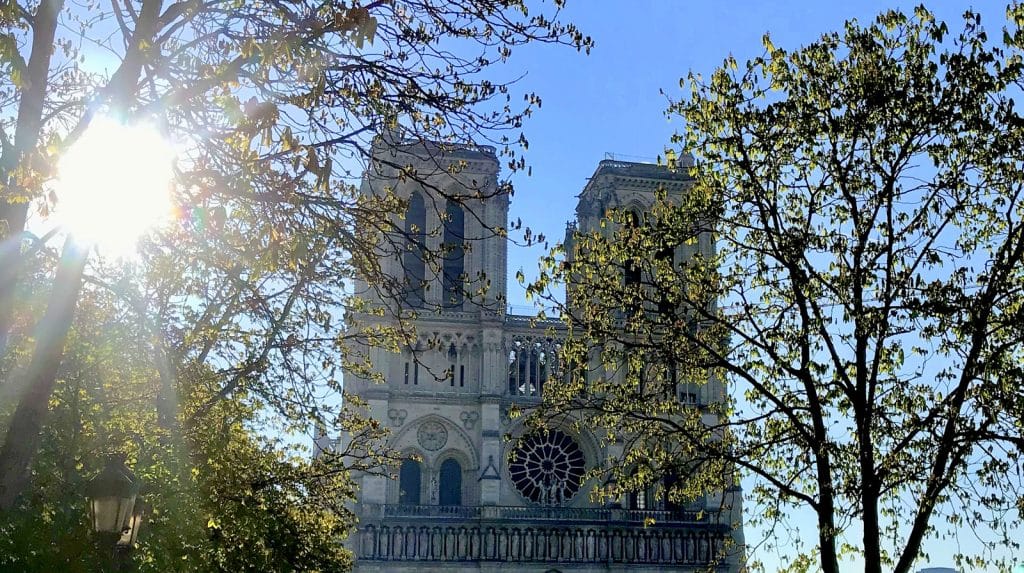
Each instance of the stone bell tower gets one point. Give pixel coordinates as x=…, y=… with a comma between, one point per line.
x=462, y=499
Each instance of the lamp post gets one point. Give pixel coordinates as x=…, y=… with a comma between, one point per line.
x=116, y=510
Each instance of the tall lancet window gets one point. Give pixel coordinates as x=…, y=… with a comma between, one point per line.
x=632, y=265
x=413, y=261
x=454, y=255
x=665, y=257
x=453, y=359
x=409, y=482
x=450, y=483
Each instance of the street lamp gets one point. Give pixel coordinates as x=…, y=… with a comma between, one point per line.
x=131, y=534
x=112, y=496
x=115, y=508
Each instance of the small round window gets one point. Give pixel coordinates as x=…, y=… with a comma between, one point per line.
x=547, y=467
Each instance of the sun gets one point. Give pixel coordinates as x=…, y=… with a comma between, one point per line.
x=114, y=184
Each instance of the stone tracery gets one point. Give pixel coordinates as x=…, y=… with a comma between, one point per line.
x=548, y=467
x=531, y=363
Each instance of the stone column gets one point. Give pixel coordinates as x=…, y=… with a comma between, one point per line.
x=490, y=454
x=493, y=363
x=374, y=488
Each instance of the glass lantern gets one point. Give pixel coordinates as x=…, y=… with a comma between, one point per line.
x=112, y=496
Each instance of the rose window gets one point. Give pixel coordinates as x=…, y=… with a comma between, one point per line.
x=547, y=467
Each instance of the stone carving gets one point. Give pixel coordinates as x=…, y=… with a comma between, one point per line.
x=491, y=471
x=397, y=417
x=469, y=419
x=432, y=435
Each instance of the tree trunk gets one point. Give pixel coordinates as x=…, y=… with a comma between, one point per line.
x=26, y=140
x=22, y=439
x=10, y=263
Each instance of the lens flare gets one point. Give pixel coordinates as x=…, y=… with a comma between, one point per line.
x=114, y=184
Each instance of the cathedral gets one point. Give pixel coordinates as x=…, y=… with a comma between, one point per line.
x=476, y=490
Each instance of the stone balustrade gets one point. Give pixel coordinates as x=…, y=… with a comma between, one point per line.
x=699, y=545
x=539, y=513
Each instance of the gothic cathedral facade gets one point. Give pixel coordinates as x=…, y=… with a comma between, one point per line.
x=460, y=502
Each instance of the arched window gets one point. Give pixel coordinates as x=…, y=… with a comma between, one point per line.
x=409, y=482
x=453, y=358
x=538, y=369
x=523, y=369
x=454, y=263
x=670, y=482
x=521, y=377
x=631, y=272
x=530, y=365
x=450, y=483
x=542, y=370
x=638, y=499
x=665, y=256
x=513, y=369
x=415, y=236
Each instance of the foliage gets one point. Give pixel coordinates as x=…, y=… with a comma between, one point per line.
x=224, y=495
x=863, y=306
x=233, y=316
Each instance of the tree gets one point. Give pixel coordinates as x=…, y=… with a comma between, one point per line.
x=277, y=105
x=227, y=498
x=864, y=305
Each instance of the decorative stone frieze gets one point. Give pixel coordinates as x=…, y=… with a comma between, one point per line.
x=469, y=419
x=397, y=417
x=432, y=435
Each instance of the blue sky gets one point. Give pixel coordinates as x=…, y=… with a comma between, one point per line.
x=609, y=101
